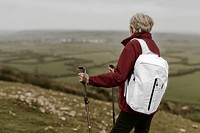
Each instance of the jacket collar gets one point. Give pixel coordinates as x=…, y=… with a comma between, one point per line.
x=145, y=35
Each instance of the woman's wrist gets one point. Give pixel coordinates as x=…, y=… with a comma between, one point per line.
x=87, y=80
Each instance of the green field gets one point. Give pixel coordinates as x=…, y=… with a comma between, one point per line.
x=95, y=50
x=184, y=88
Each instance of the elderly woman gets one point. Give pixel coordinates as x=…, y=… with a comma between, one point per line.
x=140, y=27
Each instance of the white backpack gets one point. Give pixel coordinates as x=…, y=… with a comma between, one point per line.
x=148, y=82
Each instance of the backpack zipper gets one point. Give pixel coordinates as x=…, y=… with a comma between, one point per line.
x=154, y=86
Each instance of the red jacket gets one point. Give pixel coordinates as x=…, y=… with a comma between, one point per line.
x=124, y=67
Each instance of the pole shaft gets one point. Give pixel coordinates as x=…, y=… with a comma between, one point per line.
x=113, y=106
x=87, y=109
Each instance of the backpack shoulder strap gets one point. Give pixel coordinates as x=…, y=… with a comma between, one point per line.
x=144, y=47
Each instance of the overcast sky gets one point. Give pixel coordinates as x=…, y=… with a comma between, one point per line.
x=181, y=16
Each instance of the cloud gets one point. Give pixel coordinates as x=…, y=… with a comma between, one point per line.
x=170, y=16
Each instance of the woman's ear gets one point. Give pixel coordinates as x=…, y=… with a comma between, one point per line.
x=132, y=30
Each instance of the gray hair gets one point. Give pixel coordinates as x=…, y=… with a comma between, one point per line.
x=141, y=23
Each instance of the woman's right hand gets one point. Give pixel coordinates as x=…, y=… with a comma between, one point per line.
x=83, y=78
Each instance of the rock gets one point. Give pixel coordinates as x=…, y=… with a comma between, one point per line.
x=101, y=126
x=72, y=113
x=19, y=92
x=47, y=128
x=21, y=97
x=182, y=130
x=29, y=94
x=41, y=100
x=104, y=108
x=42, y=110
x=74, y=129
x=109, y=113
x=64, y=108
x=75, y=100
x=52, y=109
x=64, y=98
x=60, y=113
x=82, y=105
x=195, y=126
x=62, y=118
x=80, y=114
x=185, y=108
x=2, y=94
x=104, y=123
x=13, y=114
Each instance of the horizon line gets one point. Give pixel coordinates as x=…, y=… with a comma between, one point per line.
x=94, y=30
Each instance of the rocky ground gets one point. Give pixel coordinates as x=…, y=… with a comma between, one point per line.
x=65, y=107
x=66, y=112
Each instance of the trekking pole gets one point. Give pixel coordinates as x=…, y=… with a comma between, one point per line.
x=113, y=102
x=83, y=70
x=113, y=106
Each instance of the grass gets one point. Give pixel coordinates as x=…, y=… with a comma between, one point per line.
x=97, y=58
x=52, y=68
x=18, y=117
x=182, y=53
x=168, y=123
x=184, y=89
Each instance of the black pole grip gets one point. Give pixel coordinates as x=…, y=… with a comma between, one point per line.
x=111, y=66
x=81, y=69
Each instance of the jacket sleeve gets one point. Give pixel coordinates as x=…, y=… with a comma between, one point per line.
x=125, y=64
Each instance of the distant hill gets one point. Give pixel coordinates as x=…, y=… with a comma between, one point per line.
x=27, y=108
x=51, y=36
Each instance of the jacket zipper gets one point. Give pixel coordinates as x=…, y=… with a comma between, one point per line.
x=154, y=86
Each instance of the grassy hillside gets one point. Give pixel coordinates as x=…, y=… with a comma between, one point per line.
x=26, y=108
x=56, y=55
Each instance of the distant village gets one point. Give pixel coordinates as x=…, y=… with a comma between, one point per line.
x=72, y=40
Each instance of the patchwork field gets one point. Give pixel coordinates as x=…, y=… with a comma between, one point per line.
x=57, y=54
